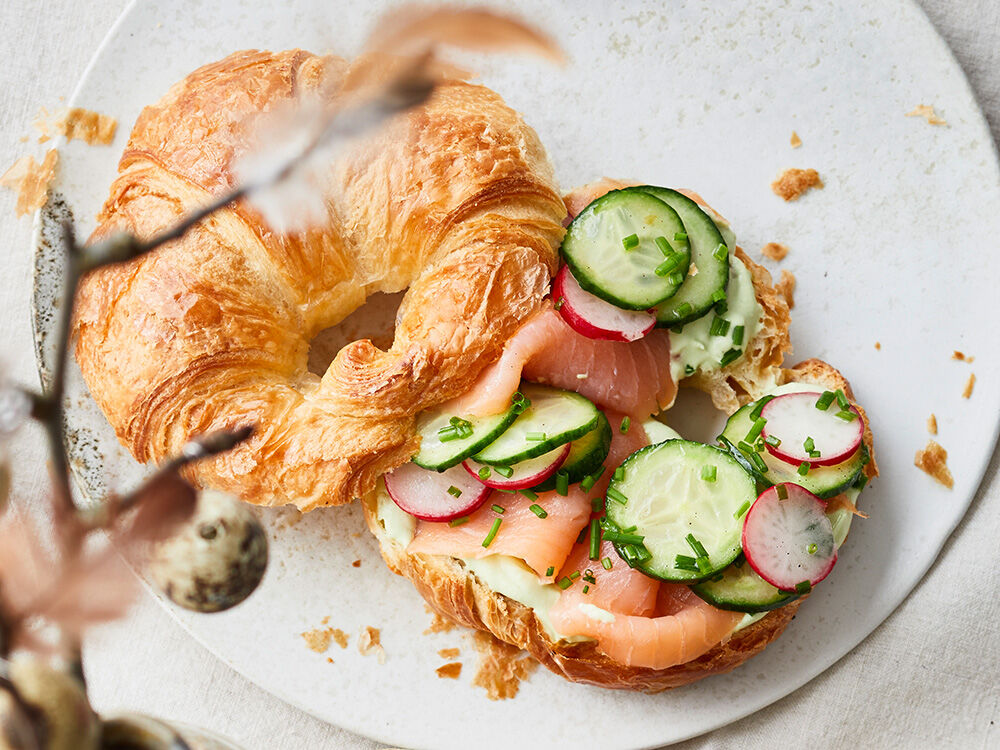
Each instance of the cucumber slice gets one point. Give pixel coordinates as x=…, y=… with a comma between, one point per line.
x=739, y=589
x=699, y=293
x=594, y=248
x=438, y=454
x=555, y=417
x=679, y=515
x=823, y=481
x=586, y=454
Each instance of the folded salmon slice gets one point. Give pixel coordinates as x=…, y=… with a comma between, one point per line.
x=542, y=543
x=630, y=377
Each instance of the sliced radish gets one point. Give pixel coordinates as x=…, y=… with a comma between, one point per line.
x=796, y=423
x=788, y=539
x=425, y=494
x=593, y=317
x=523, y=474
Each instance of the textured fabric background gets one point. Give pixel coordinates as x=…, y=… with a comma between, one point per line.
x=928, y=677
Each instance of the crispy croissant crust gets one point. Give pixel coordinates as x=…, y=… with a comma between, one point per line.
x=455, y=201
x=457, y=593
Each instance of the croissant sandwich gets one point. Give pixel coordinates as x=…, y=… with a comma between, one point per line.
x=511, y=448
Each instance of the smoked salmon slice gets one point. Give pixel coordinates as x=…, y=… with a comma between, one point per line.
x=630, y=377
x=542, y=543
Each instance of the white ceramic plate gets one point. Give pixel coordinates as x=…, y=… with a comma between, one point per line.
x=899, y=248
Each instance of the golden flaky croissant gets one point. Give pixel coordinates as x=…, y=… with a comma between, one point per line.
x=454, y=201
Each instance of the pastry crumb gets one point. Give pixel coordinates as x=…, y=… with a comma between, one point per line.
x=329, y=660
x=774, y=251
x=962, y=357
x=501, y=667
x=932, y=424
x=76, y=123
x=792, y=183
x=31, y=180
x=927, y=112
x=795, y=141
x=317, y=640
x=842, y=501
x=878, y=346
x=786, y=288
x=439, y=623
x=932, y=460
x=449, y=653
x=449, y=671
x=969, y=385
x=356, y=564
x=370, y=642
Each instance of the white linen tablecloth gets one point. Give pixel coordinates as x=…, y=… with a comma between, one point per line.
x=928, y=677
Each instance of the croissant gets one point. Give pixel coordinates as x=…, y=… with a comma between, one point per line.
x=455, y=202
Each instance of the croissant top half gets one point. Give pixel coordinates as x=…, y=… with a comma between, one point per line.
x=455, y=201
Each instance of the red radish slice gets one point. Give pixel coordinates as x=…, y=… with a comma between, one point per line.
x=793, y=419
x=424, y=493
x=524, y=474
x=788, y=539
x=593, y=317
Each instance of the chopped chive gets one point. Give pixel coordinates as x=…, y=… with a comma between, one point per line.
x=550, y=571
x=721, y=252
x=773, y=441
x=759, y=408
x=861, y=482
x=538, y=510
x=683, y=310
x=677, y=328
x=718, y=295
x=586, y=589
x=454, y=491
x=811, y=549
x=803, y=468
x=620, y=536
x=493, y=532
x=847, y=415
x=688, y=370
x=606, y=563
x=686, y=562
x=597, y=504
x=842, y=401
x=758, y=462
x=755, y=429
x=484, y=473
x=560, y=302
x=535, y=436
x=729, y=357
x=719, y=327
x=742, y=509
x=498, y=508
x=661, y=242
x=562, y=483
x=564, y=583
x=676, y=278
x=447, y=434
x=630, y=242
x=574, y=575
x=591, y=479
x=506, y=492
x=581, y=536
x=530, y=494
x=505, y=471
x=803, y=587
x=708, y=473
x=745, y=447
x=809, y=444
x=814, y=454
x=595, y=539
x=588, y=576
x=824, y=401
x=781, y=491
x=458, y=521
x=619, y=474
x=738, y=335
x=618, y=497
x=635, y=554
x=722, y=307
x=680, y=237
x=696, y=546
x=626, y=422
x=630, y=529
